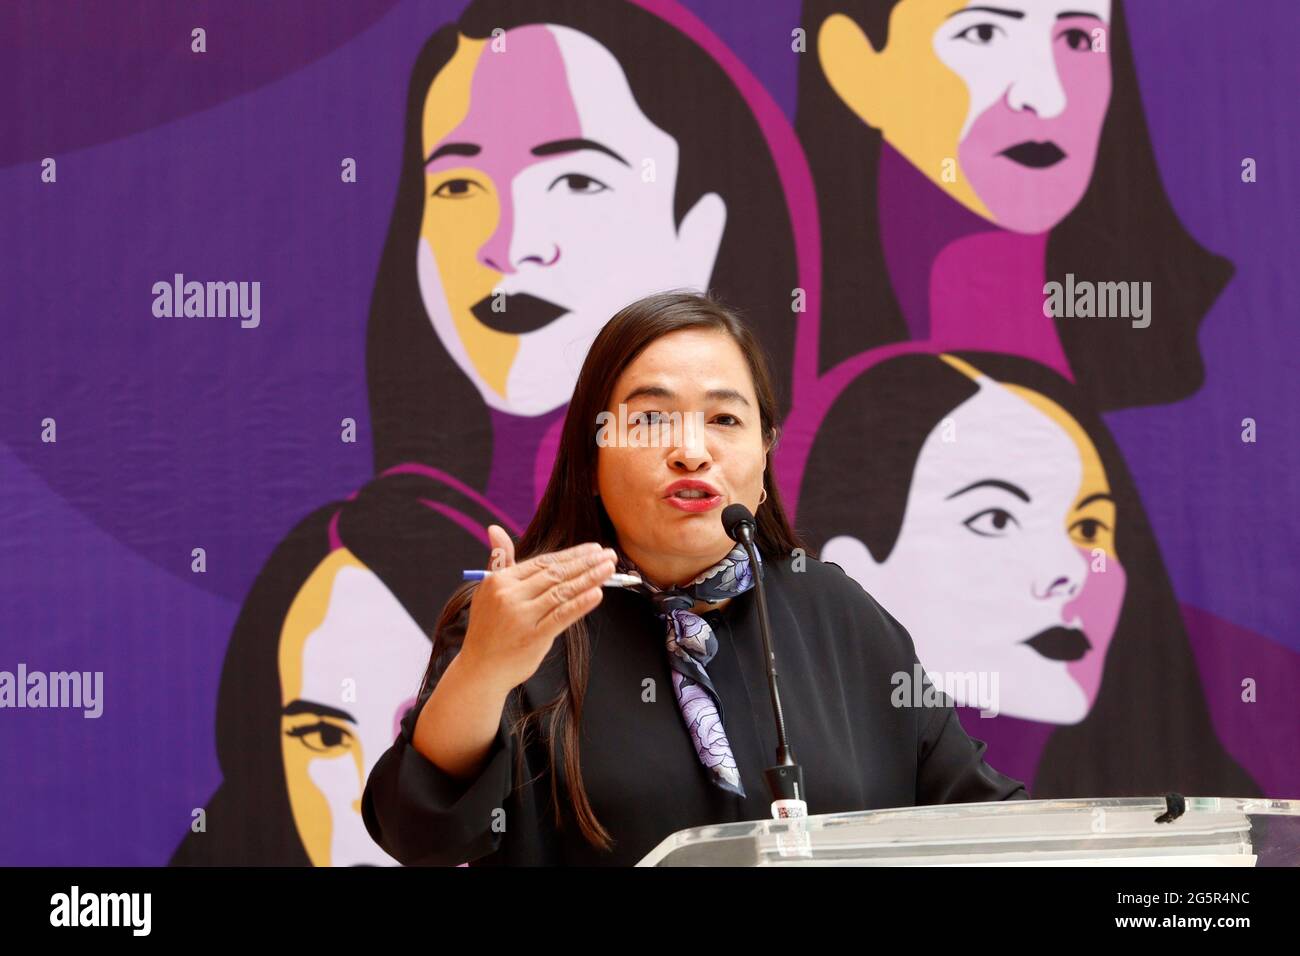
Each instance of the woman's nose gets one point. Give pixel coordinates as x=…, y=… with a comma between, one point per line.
x=1060, y=587
x=1061, y=571
x=515, y=243
x=692, y=455
x=1037, y=86
x=692, y=459
x=692, y=451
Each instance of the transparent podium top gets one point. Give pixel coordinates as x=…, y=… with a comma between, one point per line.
x=1212, y=831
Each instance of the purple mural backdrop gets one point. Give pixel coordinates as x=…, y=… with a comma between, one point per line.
x=250, y=341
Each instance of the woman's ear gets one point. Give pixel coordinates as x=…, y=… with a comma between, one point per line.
x=700, y=237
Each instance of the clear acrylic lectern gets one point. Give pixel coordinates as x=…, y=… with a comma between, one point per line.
x=1212, y=831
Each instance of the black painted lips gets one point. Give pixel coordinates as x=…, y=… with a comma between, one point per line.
x=522, y=313
x=1034, y=155
x=1061, y=643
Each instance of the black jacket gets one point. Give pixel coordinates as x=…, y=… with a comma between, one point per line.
x=837, y=655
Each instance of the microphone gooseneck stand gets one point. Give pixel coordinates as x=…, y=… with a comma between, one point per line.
x=785, y=779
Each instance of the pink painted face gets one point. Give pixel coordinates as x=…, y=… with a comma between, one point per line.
x=1005, y=564
x=549, y=205
x=1039, y=79
x=1097, y=610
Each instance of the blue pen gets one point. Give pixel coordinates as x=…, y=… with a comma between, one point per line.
x=613, y=581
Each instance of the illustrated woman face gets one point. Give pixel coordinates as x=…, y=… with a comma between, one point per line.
x=1005, y=562
x=548, y=206
x=350, y=659
x=1000, y=104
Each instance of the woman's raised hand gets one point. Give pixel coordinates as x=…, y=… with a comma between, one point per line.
x=519, y=610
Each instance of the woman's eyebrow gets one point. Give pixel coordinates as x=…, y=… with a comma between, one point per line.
x=1099, y=496
x=1000, y=11
x=573, y=145
x=454, y=149
x=542, y=149
x=726, y=395
x=713, y=394
x=320, y=710
x=649, y=391
x=992, y=483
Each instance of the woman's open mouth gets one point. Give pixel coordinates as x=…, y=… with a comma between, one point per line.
x=1034, y=155
x=693, y=496
x=689, y=502
x=1060, y=643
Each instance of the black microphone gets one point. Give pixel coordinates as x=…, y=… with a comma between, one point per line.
x=785, y=780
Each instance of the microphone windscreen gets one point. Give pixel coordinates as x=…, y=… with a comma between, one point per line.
x=733, y=516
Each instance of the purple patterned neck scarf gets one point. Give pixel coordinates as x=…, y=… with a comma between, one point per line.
x=691, y=645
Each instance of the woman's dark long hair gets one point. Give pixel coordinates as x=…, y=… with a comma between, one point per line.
x=569, y=515
x=393, y=527
x=1123, y=229
x=414, y=382
x=1149, y=730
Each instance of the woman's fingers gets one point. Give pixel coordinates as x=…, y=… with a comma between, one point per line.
x=562, y=615
x=503, y=548
x=535, y=565
x=575, y=584
x=558, y=573
x=525, y=605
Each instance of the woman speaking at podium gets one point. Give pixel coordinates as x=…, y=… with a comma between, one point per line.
x=566, y=720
